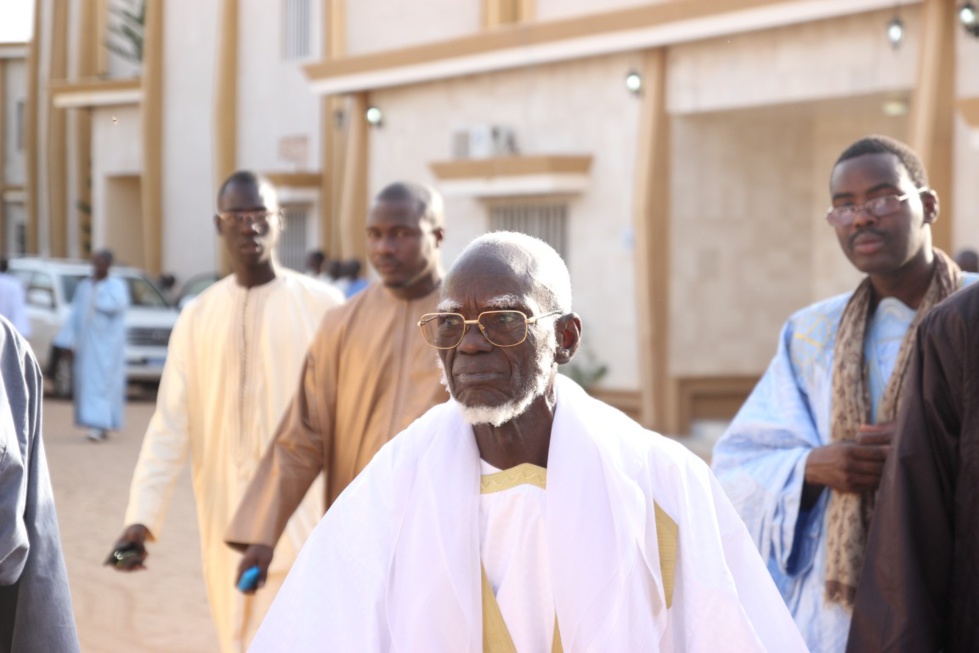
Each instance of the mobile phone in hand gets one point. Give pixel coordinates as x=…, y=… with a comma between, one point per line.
x=121, y=555
x=249, y=579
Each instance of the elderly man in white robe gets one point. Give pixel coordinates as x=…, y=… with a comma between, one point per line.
x=234, y=356
x=523, y=514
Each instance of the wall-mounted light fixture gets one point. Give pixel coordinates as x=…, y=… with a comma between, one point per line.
x=969, y=18
x=895, y=31
x=374, y=117
x=633, y=82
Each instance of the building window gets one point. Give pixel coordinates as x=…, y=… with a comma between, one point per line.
x=19, y=125
x=295, y=29
x=292, y=241
x=545, y=220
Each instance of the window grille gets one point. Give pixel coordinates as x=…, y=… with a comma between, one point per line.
x=292, y=241
x=546, y=221
x=295, y=29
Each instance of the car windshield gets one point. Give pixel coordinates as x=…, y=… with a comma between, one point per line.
x=141, y=291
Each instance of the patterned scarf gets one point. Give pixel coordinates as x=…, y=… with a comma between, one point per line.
x=850, y=513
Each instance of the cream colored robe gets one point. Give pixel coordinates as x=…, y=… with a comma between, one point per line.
x=646, y=552
x=232, y=364
x=368, y=375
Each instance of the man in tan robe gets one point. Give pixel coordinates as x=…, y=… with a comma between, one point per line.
x=367, y=376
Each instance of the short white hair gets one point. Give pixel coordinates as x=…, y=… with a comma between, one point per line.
x=543, y=264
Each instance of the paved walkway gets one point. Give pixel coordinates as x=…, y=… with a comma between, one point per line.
x=162, y=609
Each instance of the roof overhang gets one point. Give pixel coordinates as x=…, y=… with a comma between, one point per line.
x=665, y=23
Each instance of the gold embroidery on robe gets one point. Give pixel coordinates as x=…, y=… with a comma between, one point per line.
x=524, y=473
x=496, y=635
x=667, y=539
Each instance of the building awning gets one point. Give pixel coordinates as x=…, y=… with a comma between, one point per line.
x=534, y=43
x=514, y=176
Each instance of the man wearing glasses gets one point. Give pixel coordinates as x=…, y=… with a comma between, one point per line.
x=803, y=458
x=367, y=376
x=234, y=355
x=523, y=515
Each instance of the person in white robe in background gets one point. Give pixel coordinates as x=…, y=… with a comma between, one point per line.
x=234, y=357
x=523, y=515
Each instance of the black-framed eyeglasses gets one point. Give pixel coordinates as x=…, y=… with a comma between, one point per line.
x=260, y=219
x=846, y=214
x=500, y=328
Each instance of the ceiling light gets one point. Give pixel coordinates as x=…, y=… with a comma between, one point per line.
x=633, y=82
x=969, y=18
x=895, y=32
x=374, y=117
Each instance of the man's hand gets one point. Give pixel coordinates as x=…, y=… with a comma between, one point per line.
x=849, y=466
x=129, y=552
x=256, y=555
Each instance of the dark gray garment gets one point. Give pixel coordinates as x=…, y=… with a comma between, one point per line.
x=35, y=603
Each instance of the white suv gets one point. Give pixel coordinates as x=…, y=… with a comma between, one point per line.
x=50, y=285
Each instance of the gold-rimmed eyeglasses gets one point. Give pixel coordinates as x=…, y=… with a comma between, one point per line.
x=500, y=328
x=260, y=219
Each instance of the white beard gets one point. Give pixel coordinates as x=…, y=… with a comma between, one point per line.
x=499, y=415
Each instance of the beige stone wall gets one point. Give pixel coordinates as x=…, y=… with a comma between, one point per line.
x=190, y=32
x=740, y=242
x=844, y=57
x=377, y=25
x=14, y=91
x=557, y=9
x=576, y=108
x=750, y=241
x=759, y=120
x=965, y=204
x=117, y=154
x=278, y=116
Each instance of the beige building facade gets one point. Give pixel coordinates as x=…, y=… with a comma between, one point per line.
x=690, y=211
x=13, y=107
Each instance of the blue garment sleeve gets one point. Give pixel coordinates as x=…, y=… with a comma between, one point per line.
x=111, y=296
x=761, y=461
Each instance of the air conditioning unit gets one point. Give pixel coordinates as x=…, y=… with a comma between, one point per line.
x=483, y=142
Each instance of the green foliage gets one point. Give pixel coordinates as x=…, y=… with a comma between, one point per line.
x=128, y=32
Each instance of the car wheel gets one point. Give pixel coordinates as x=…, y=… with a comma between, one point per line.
x=63, y=376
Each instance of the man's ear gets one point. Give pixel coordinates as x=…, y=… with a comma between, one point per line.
x=931, y=205
x=439, y=234
x=568, y=337
x=217, y=223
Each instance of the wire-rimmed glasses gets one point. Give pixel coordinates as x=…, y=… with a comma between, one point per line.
x=500, y=328
x=846, y=214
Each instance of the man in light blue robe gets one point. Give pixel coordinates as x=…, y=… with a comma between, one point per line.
x=96, y=331
x=788, y=453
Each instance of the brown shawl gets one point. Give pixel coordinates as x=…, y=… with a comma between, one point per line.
x=850, y=513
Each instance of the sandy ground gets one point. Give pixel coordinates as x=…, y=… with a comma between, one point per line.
x=162, y=609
